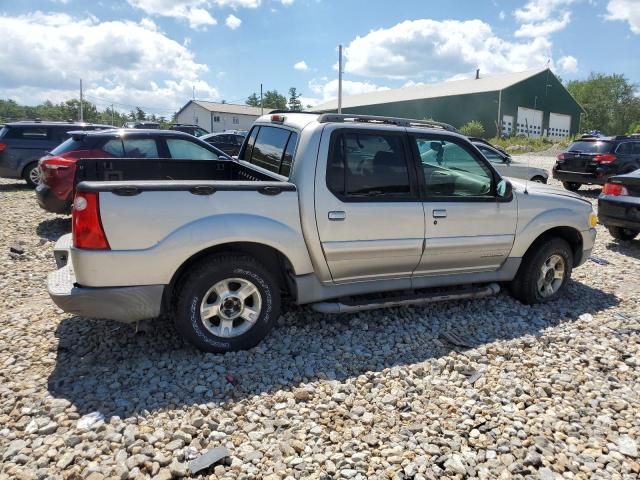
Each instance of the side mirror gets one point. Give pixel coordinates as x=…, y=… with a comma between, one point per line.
x=504, y=190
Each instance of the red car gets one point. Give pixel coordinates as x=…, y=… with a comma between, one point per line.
x=58, y=169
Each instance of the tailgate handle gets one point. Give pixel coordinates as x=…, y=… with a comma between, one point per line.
x=203, y=190
x=126, y=191
x=270, y=190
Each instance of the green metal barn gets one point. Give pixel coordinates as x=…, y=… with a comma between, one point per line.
x=532, y=103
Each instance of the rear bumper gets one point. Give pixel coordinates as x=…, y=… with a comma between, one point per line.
x=619, y=212
x=123, y=304
x=49, y=202
x=578, y=177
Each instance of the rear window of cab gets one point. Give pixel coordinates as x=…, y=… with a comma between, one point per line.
x=271, y=148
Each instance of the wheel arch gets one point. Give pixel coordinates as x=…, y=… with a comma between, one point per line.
x=273, y=259
x=571, y=235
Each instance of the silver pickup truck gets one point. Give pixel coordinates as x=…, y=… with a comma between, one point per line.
x=342, y=212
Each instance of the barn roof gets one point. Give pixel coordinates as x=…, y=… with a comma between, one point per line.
x=491, y=83
x=232, y=108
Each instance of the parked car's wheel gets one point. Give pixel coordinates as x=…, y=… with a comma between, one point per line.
x=620, y=233
x=226, y=303
x=573, y=186
x=31, y=174
x=544, y=272
x=539, y=179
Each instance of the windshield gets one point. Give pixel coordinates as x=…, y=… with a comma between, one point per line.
x=585, y=146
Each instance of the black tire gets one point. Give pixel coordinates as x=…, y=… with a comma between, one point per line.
x=620, y=233
x=539, y=179
x=525, y=286
x=197, y=283
x=27, y=175
x=572, y=186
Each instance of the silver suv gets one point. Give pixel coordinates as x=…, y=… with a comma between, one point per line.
x=330, y=209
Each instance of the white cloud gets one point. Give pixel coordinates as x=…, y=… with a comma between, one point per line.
x=540, y=10
x=192, y=11
x=286, y=2
x=233, y=22
x=568, y=64
x=544, y=28
x=44, y=55
x=301, y=65
x=502, y=15
x=328, y=89
x=625, y=10
x=426, y=48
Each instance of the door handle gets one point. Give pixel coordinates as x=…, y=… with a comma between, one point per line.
x=439, y=213
x=337, y=216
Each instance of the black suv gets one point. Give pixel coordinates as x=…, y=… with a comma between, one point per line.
x=594, y=159
x=23, y=143
x=229, y=143
x=194, y=130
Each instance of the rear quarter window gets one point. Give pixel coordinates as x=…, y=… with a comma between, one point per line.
x=271, y=148
x=590, y=147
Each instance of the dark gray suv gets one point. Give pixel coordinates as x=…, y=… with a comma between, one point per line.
x=23, y=143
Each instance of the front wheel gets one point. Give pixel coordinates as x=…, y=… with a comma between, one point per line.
x=227, y=303
x=31, y=174
x=620, y=233
x=544, y=272
x=539, y=179
x=572, y=186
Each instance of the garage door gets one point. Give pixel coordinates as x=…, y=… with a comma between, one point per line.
x=559, y=125
x=529, y=122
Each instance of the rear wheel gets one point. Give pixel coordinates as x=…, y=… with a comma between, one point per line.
x=544, y=272
x=539, y=179
x=620, y=233
x=31, y=174
x=573, y=186
x=226, y=303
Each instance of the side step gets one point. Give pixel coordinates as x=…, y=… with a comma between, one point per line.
x=357, y=304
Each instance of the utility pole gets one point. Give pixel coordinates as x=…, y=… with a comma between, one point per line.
x=193, y=96
x=261, y=102
x=339, y=78
x=81, y=107
x=113, y=121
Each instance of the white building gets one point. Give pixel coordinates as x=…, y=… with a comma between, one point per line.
x=218, y=117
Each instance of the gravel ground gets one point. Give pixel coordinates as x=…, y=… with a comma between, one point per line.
x=477, y=389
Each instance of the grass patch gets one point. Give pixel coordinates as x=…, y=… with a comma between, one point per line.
x=530, y=144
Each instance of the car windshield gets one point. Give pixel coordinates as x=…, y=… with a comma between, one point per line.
x=585, y=146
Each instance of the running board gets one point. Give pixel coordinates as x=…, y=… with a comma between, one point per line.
x=355, y=304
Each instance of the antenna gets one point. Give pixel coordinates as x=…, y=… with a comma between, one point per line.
x=339, y=78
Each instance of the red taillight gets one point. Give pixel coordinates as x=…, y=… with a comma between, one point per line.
x=277, y=118
x=3, y=146
x=87, y=227
x=605, y=158
x=56, y=163
x=614, y=189
x=561, y=157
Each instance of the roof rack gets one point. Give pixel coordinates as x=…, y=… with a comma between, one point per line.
x=624, y=137
x=290, y=111
x=400, y=122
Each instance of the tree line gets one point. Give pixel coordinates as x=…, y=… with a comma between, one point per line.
x=273, y=100
x=10, y=111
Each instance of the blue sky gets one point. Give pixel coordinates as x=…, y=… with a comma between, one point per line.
x=153, y=52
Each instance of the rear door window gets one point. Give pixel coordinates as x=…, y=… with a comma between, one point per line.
x=368, y=165
x=625, y=148
x=114, y=147
x=636, y=148
x=29, y=133
x=140, y=148
x=185, y=149
x=268, y=147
